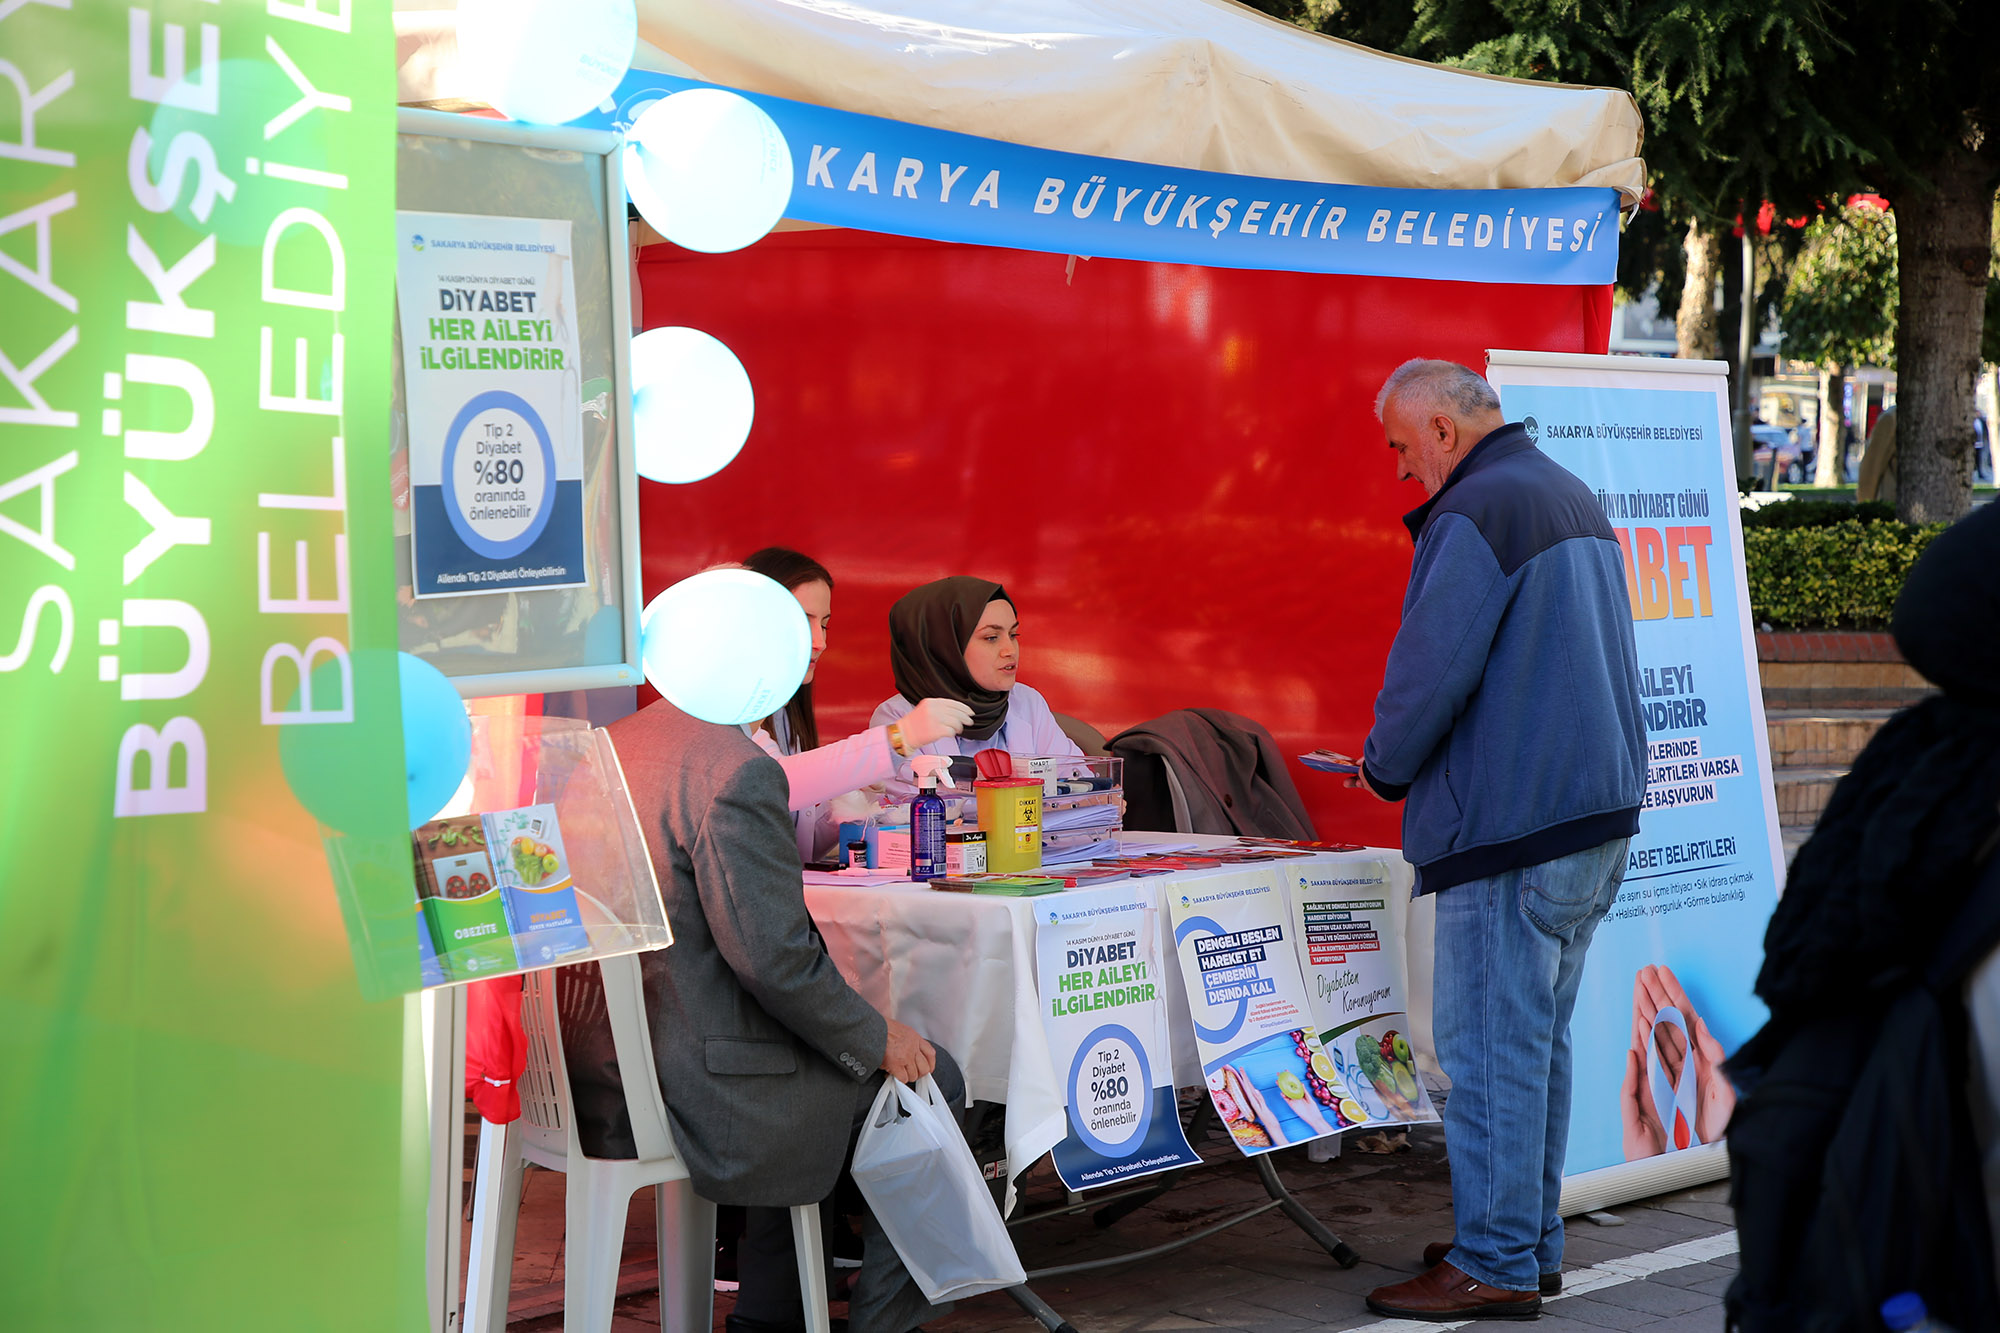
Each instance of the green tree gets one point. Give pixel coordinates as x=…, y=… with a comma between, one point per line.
x=1916, y=87
x=1840, y=298
x=1713, y=78
x=1839, y=313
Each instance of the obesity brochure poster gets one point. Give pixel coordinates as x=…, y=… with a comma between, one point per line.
x=487, y=309
x=1342, y=920
x=1097, y=955
x=1667, y=984
x=1253, y=1026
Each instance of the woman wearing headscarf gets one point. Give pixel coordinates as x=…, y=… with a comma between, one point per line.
x=959, y=638
x=819, y=773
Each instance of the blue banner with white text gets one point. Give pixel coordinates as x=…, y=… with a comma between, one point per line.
x=872, y=174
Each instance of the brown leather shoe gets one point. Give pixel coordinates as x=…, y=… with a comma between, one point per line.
x=1438, y=1251
x=1443, y=1293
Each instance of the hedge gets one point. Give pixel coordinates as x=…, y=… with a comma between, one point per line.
x=1817, y=513
x=1840, y=575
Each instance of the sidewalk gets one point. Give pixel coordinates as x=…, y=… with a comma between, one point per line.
x=1663, y=1269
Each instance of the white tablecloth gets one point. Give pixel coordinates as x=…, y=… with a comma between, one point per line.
x=960, y=969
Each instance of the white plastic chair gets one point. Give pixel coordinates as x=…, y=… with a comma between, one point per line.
x=599, y=1190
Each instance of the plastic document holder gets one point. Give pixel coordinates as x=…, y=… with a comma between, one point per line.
x=549, y=867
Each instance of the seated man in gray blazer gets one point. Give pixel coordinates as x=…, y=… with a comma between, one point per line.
x=768, y=1060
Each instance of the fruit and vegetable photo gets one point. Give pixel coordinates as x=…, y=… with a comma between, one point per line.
x=533, y=861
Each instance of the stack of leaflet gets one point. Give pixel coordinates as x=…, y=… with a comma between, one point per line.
x=1076, y=832
x=1083, y=806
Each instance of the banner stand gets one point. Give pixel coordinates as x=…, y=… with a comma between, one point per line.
x=1667, y=985
x=1588, y=1191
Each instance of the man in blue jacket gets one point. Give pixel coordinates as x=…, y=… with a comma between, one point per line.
x=1509, y=725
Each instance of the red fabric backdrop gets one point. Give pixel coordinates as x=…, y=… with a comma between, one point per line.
x=1175, y=471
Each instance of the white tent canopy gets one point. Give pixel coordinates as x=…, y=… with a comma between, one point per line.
x=1207, y=84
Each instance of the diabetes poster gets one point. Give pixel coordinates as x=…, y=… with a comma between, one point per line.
x=1667, y=983
x=1097, y=953
x=1350, y=950
x=487, y=311
x=1259, y=1045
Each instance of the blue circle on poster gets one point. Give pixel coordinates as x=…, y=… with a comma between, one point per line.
x=1235, y=1024
x=512, y=491
x=1136, y=1085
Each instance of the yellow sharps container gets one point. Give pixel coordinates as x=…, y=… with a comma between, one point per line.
x=1010, y=814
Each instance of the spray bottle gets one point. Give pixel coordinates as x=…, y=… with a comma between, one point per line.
x=927, y=819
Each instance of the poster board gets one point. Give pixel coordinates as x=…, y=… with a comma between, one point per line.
x=1672, y=964
x=1103, y=1000
x=578, y=629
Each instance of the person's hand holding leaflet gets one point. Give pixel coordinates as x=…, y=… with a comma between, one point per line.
x=933, y=720
x=1355, y=779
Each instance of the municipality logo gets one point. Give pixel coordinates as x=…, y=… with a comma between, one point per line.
x=1533, y=427
x=1186, y=901
x=416, y=242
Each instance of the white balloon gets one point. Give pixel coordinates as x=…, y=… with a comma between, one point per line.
x=708, y=169
x=727, y=645
x=546, y=62
x=691, y=405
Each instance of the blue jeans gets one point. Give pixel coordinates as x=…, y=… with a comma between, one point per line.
x=1509, y=960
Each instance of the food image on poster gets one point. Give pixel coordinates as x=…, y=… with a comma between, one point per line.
x=1267, y=1076
x=1272, y=1095
x=1357, y=990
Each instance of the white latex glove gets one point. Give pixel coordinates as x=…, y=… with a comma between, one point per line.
x=933, y=720
x=852, y=808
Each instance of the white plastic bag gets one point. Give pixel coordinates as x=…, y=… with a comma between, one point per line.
x=915, y=1170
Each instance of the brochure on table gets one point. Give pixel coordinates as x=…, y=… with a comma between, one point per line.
x=1097, y=954
x=1357, y=990
x=1670, y=970
x=490, y=372
x=1269, y=1079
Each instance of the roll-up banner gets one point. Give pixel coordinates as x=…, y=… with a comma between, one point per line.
x=1097, y=954
x=1667, y=984
x=872, y=174
x=203, y=1095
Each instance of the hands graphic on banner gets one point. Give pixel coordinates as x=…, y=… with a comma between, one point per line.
x=1666, y=1029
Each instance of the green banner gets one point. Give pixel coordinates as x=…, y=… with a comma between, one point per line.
x=202, y=1044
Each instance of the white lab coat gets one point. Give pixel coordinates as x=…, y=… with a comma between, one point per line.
x=816, y=777
x=1030, y=728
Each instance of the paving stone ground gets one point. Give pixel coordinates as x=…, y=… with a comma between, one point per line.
x=1264, y=1276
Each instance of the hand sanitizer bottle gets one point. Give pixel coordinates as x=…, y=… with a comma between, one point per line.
x=927, y=821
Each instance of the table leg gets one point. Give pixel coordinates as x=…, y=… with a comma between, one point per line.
x=1039, y=1310
x=1321, y=1234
